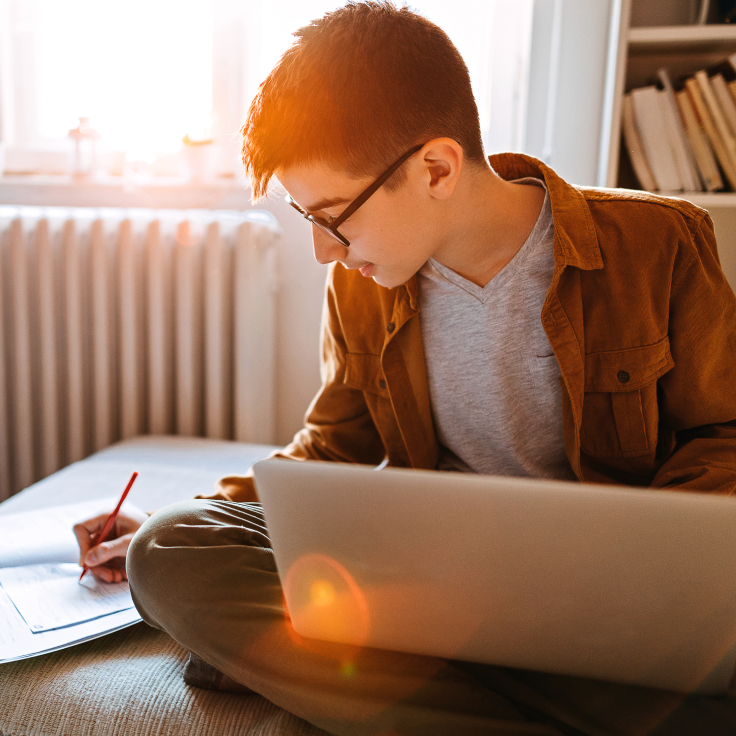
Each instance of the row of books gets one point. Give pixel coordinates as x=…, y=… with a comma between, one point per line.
x=683, y=138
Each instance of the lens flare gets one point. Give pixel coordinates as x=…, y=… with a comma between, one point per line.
x=322, y=593
x=325, y=602
x=349, y=669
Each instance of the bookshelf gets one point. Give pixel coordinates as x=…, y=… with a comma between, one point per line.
x=682, y=50
x=635, y=54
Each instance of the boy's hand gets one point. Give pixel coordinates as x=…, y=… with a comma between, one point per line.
x=107, y=560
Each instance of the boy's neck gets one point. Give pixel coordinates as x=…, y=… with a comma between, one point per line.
x=491, y=220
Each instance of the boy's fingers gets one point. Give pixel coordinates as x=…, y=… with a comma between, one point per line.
x=84, y=540
x=95, y=555
x=81, y=533
x=106, y=551
x=109, y=574
x=91, y=526
x=102, y=573
x=86, y=533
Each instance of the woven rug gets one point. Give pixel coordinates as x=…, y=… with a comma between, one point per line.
x=128, y=684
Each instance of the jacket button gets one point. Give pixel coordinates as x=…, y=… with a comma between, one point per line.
x=382, y=383
x=390, y=327
x=623, y=377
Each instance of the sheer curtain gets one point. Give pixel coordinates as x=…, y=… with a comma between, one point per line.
x=148, y=72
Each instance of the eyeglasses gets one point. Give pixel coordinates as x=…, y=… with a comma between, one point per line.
x=331, y=227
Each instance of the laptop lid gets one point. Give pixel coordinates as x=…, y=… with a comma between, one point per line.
x=628, y=585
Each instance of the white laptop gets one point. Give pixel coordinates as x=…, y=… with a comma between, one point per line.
x=628, y=585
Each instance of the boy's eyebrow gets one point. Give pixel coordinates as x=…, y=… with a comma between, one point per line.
x=325, y=203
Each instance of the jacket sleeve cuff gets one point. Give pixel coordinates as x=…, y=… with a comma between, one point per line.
x=239, y=488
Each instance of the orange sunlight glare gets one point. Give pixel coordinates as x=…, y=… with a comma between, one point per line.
x=325, y=602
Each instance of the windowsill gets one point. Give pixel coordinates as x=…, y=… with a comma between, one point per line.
x=153, y=192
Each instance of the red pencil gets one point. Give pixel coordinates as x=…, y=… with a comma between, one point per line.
x=102, y=536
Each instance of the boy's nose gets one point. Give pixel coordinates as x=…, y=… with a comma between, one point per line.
x=327, y=249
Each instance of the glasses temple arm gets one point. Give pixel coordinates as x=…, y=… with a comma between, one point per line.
x=372, y=189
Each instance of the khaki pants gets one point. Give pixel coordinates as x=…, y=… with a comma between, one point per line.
x=204, y=572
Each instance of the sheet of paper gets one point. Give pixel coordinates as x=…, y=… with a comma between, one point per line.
x=51, y=596
x=45, y=535
x=17, y=641
x=31, y=532
x=157, y=485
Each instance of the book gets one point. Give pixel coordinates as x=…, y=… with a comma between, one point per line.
x=719, y=119
x=697, y=99
x=732, y=60
x=43, y=604
x=675, y=131
x=635, y=147
x=650, y=118
x=707, y=165
x=725, y=100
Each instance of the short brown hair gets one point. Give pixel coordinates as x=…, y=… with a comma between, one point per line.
x=358, y=88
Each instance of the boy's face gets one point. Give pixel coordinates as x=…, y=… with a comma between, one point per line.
x=390, y=235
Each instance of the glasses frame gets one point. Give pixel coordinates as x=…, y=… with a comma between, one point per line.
x=331, y=227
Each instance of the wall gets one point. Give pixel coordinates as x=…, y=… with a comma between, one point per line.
x=567, y=85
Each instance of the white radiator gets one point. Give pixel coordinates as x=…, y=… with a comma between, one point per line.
x=115, y=323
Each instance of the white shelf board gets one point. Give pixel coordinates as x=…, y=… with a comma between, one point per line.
x=706, y=200
x=653, y=37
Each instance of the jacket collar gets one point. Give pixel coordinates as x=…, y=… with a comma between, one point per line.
x=576, y=243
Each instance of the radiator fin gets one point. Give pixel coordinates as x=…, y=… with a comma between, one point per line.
x=115, y=323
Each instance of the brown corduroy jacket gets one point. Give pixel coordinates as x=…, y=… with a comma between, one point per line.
x=639, y=315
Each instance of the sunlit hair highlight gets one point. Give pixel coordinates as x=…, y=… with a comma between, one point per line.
x=359, y=87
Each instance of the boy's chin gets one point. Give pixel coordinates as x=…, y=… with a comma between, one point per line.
x=389, y=282
x=382, y=278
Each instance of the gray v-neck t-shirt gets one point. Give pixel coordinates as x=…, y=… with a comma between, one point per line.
x=493, y=377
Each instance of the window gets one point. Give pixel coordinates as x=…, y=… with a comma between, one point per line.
x=141, y=71
x=148, y=72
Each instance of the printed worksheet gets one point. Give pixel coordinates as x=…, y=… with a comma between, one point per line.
x=43, y=604
x=39, y=532
x=17, y=641
x=51, y=596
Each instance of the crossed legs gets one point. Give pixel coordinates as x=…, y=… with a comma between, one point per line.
x=204, y=572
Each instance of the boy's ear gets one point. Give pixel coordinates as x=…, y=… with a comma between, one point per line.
x=442, y=159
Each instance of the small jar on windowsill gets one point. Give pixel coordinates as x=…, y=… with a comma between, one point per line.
x=199, y=159
x=84, y=152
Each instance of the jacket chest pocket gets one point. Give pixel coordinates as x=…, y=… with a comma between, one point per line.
x=620, y=408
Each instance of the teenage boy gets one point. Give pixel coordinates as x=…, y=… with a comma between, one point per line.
x=480, y=318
